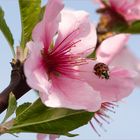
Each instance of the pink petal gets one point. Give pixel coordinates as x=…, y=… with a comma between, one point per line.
x=74, y=94
x=130, y=61
x=47, y=28
x=111, y=89
x=34, y=71
x=38, y=80
x=33, y=60
x=83, y=31
x=110, y=47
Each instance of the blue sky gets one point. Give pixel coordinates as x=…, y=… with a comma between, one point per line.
x=126, y=121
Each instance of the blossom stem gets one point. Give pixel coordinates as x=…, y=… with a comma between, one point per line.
x=17, y=86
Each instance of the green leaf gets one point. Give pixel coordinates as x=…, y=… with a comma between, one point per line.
x=41, y=119
x=29, y=11
x=12, y=105
x=122, y=27
x=92, y=55
x=6, y=31
x=71, y=135
x=41, y=13
x=134, y=28
x=22, y=108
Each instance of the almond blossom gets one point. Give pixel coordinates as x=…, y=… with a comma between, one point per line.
x=113, y=52
x=52, y=66
x=59, y=70
x=129, y=9
x=120, y=74
x=57, y=65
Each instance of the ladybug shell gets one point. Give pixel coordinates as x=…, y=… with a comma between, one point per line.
x=101, y=70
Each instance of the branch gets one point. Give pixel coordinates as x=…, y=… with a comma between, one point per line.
x=17, y=86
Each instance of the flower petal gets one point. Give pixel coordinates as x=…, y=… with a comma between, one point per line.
x=111, y=89
x=110, y=47
x=34, y=58
x=72, y=93
x=77, y=26
x=130, y=61
x=34, y=71
x=47, y=28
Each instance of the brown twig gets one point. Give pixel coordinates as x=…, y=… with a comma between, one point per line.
x=17, y=86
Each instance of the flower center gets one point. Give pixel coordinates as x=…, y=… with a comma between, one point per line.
x=101, y=70
x=59, y=59
x=49, y=62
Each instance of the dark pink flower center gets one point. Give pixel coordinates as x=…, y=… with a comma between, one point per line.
x=60, y=60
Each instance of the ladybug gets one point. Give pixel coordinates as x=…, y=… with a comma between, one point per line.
x=101, y=70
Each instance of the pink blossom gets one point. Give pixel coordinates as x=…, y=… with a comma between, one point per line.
x=113, y=89
x=57, y=66
x=129, y=9
x=54, y=60
x=113, y=52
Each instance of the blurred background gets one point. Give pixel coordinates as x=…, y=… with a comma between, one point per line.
x=125, y=123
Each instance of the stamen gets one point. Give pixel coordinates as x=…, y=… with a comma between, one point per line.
x=101, y=115
x=94, y=129
x=100, y=124
x=60, y=60
x=108, y=108
x=64, y=40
